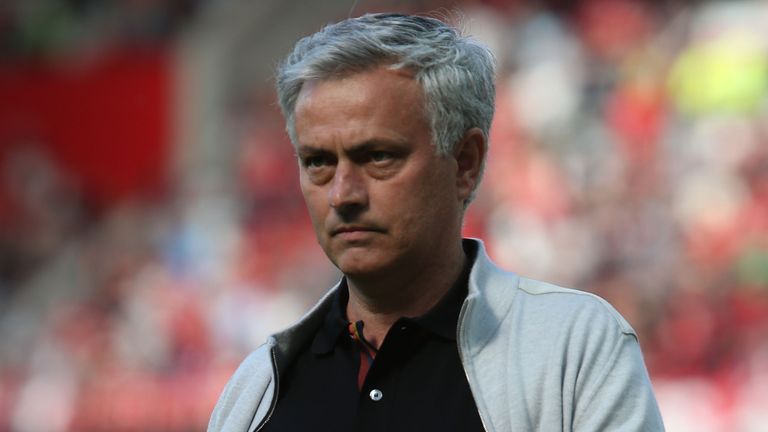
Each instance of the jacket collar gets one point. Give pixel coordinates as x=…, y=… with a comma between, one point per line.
x=484, y=309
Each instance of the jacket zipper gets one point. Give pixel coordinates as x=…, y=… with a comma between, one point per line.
x=459, y=324
x=272, y=404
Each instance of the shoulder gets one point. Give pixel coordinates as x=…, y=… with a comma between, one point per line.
x=504, y=300
x=256, y=366
x=250, y=385
x=572, y=306
x=503, y=309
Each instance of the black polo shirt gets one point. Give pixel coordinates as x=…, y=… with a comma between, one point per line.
x=415, y=383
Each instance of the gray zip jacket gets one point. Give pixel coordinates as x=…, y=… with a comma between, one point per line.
x=537, y=357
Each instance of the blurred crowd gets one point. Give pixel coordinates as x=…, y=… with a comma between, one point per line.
x=628, y=157
x=62, y=28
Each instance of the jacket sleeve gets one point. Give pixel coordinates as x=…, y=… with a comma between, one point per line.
x=615, y=392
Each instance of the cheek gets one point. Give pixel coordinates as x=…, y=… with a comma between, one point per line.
x=316, y=206
x=438, y=202
x=421, y=204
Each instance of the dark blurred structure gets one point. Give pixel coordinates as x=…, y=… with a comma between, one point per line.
x=152, y=232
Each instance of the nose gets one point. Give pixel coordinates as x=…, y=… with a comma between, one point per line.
x=348, y=192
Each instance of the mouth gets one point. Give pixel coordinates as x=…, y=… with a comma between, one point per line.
x=349, y=230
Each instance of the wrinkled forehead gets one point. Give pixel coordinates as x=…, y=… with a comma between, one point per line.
x=347, y=76
x=388, y=102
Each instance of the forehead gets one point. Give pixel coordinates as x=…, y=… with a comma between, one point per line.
x=381, y=101
x=370, y=84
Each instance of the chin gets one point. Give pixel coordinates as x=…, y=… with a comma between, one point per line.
x=361, y=264
x=358, y=270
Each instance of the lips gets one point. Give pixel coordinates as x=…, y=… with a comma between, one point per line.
x=350, y=229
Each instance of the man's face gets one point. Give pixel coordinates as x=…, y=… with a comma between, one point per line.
x=381, y=199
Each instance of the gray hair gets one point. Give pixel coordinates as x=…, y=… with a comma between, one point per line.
x=456, y=73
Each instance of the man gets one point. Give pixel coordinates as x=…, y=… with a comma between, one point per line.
x=390, y=115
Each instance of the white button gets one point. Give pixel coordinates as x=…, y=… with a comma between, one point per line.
x=376, y=395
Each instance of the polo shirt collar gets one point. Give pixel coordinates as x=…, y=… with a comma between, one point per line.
x=441, y=320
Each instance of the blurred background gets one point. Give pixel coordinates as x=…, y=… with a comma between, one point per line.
x=152, y=232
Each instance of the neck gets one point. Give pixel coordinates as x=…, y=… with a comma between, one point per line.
x=380, y=301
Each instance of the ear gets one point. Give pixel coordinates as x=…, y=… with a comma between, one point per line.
x=469, y=153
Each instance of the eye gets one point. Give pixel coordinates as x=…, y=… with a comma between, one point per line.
x=316, y=161
x=380, y=156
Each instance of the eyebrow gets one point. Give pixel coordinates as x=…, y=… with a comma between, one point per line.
x=355, y=149
x=305, y=150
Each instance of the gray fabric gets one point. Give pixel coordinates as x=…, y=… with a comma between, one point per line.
x=538, y=358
